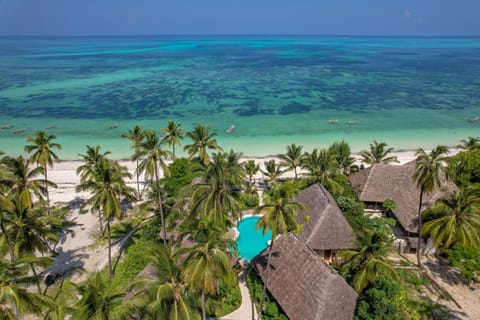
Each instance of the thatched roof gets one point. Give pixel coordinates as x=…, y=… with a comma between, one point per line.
x=327, y=228
x=380, y=182
x=303, y=285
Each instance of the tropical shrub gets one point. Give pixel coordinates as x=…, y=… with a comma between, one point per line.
x=466, y=259
x=249, y=200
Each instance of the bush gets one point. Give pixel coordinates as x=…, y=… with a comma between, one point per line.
x=180, y=176
x=228, y=300
x=466, y=259
x=249, y=201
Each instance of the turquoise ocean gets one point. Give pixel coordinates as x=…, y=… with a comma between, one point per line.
x=276, y=90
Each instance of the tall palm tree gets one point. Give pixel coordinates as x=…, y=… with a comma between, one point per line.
x=108, y=187
x=251, y=169
x=455, y=219
x=90, y=160
x=24, y=182
x=293, y=158
x=15, y=300
x=343, y=155
x=154, y=156
x=174, y=133
x=101, y=299
x=366, y=264
x=272, y=170
x=427, y=178
x=135, y=136
x=203, y=141
x=469, y=144
x=280, y=217
x=377, y=154
x=42, y=147
x=322, y=167
x=215, y=195
x=208, y=262
x=165, y=295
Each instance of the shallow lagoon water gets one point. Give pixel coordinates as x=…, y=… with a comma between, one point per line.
x=409, y=92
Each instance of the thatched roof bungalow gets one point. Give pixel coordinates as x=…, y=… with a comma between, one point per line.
x=327, y=230
x=380, y=182
x=304, y=286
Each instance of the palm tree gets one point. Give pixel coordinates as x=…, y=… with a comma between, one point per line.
x=208, y=261
x=90, y=160
x=251, y=169
x=42, y=147
x=370, y=261
x=202, y=142
x=280, y=217
x=343, y=155
x=469, y=144
x=272, y=170
x=15, y=300
x=293, y=158
x=22, y=181
x=377, y=154
x=455, y=219
x=173, y=134
x=165, y=295
x=66, y=296
x=135, y=136
x=322, y=167
x=108, y=187
x=215, y=195
x=427, y=178
x=154, y=157
x=101, y=299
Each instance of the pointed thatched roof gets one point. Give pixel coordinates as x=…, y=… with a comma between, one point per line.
x=380, y=182
x=303, y=285
x=327, y=228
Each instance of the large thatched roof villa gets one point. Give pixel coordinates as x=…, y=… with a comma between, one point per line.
x=380, y=182
x=305, y=287
x=327, y=230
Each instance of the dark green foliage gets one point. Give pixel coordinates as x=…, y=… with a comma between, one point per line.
x=249, y=200
x=226, y=301
x=255, y=286
x=378, y=302
x=466, y=259
x=389, y=205
x=150, y=231
x=180, y=176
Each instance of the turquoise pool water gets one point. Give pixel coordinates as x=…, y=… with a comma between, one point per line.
x=251, y=242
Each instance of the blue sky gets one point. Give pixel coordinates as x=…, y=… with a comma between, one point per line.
x=332, y=17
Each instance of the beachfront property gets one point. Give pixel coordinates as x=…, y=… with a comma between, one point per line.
x=326, y=230
x=305, y=287
x=380, y=182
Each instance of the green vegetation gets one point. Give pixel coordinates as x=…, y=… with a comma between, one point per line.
x=179, y=235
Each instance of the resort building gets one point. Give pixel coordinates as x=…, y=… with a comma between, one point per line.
x=380, y=182
x=304, y=286
x=326, y=230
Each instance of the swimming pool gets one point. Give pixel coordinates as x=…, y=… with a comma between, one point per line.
x=251, y=242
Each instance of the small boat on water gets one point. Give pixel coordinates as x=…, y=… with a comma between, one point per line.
x=50, y=127
x=231, y=128
x=351, y=122
x=473, y=119
x=19, y=131
x=333, y=121
x=7, y=126
x=113, y=126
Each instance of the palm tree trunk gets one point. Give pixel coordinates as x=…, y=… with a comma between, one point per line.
x=204, y=315
x=160, y=207
x=138, y=184
x=36, y=278
x=46, y=188
x=100, y=221
x=110, y=268
x=264, y=291
x=173, y=149
x=295, y=170
x=419, y=261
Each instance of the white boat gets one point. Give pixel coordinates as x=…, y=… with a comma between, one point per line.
x=231, y=128
x=333, y=121
x=473, y=119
